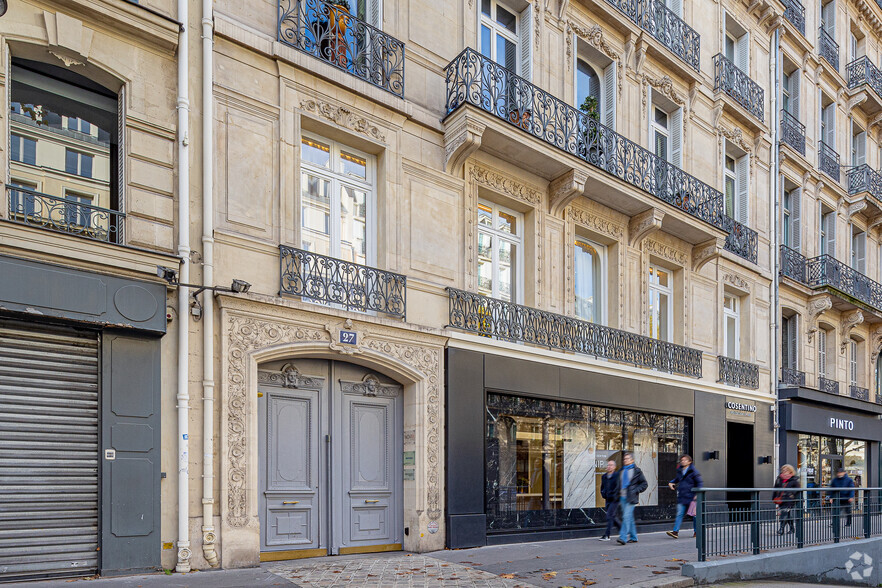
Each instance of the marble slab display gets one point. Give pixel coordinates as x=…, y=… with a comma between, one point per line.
x=579, y=447
x=646, y=458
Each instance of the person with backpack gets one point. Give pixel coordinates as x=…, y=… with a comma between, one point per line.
x=685, y=482
x=631, y=482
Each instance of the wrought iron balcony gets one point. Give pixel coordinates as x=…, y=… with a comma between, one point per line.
x=793, y=265
x=792, y=377
x=794, y=11
x=323, y=279
x=738, y=85
x=828, y=386
x=859, y=393
x=661, y=22
x=792, y=132
x=864, y=179
x=329, y=32
x=828, y=160
x=740, y=239
x=512, y=322
x=738, y=373
x=825, y=271
x=65, y=215
x=481, y=82
x=862, y=71
x=828, y=48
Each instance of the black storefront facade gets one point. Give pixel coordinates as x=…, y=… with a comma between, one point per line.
x=527, y=443
x=821, y=432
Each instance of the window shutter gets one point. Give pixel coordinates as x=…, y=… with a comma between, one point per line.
x=677, y=7
x=830, y=122
x=792, y=340
x=860, y=256
x=526, y=45
x=742, y=52
x=677, y=138
x=374, y=14
x=795, y=229
x=860, y=156
x=822, y=353
x=794, y=94
x=831, y=234
x=828, y=13
x=609, y=96
x=742, y=188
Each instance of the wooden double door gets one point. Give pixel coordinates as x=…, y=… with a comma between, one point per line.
x=330, y=460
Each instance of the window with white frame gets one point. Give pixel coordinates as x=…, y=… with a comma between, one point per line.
x=736, y=44
x=822, y=353
x=790, y=342
x=828, y=122
x=827, y=230
x=828, y=17
x=500, y=252
x=858, y=250
x=661, y=309
x=666, y=130
x=879, y=379
x=731, y=326
x=852, y=362
x=77, y=209
x=791, y=230
x=23, y=149
x=858, y=145
x=77, y=163
x=661, y=133
x=505, y=36
x=595, y=78
x=790, y=93
x=736, y=174
x=590, y=268
x=337, y=200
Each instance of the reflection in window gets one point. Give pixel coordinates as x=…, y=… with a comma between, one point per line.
x=500, y=235
x=660, y=313
x=589, y=261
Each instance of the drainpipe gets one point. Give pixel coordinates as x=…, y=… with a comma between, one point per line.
x=183, y=396
x=209, y=536
x=775, y=71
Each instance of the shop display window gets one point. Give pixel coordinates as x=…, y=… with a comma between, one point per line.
x=820, y=457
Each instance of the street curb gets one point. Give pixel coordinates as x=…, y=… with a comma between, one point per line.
x=677, y=582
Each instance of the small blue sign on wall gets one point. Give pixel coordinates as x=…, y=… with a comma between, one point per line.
x=349, y=337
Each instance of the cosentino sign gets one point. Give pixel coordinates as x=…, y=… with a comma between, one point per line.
x=740, y=410
x=741, y=407
x=835, y=423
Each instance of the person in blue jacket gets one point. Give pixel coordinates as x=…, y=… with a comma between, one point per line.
x=685, y=482
x=843, y=497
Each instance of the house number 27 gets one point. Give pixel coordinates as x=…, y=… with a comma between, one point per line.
x=348, y=337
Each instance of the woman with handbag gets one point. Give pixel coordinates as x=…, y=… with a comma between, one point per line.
x=785, y=499
x=685, y=482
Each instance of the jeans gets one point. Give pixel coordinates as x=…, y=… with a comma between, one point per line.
x=629, y=527
x=612, y=510
x=681, y=512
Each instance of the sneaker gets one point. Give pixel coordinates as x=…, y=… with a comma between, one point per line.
x=674, y=534
x=620, y=542
x=604, y=538
x=632, y=541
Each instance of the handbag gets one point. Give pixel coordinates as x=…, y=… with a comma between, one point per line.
x=777, y=500
x=691, y=510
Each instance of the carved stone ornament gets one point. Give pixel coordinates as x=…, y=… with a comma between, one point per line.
x=856, y=207
x=371, y=386
x=68, y=39
x=343, y=116
x=737, y=281
x=337, y=341
x=508, y=186
x=663, y=85
x=664, y=251
x=816, y=307
x=877, y=345
x=564, y=189
x=462, y=137
x=290, y=377
x=849, y=322
x=736, y=136
x=593, y=35
x=644, y=224
x=595, y=223
x=702, y=253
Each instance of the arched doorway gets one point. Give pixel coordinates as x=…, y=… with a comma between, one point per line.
x=330, y=437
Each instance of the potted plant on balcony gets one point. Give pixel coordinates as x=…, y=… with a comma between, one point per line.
x=589, y=134
x=334, y=40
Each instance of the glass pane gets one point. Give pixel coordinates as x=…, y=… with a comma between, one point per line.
x=855, y=461
x=485, y=264
x=587, y=285
x=663, y=326
x=353, y=225
x=661, y=118
x=730, y=49
x=485, y=7
x=507, y=223
x=316, y=214
x=486, y=42
x=316, y=153
x=729, y=302
x=507, y=270
x=731, y=331
x=730, y=196
x=661, y=145
x=353, y=165
x=485, y=215
x=506, y=53
x=506, y=19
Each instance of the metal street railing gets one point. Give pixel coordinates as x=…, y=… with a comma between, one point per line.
x=792, y=377
x=792, y=132
x=737, y=84
x=323, y=279
x=65, y=215
x=863, y=178
x=828, y=160
x=738, y=373
x=828, y=48
x=748, y=521
x=329, y=32
x=491, y=317
x=794, y=11
x=668, y=28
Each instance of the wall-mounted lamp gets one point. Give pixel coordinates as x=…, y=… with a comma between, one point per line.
x=171, y=276
x=709, y=455
x=765, y=459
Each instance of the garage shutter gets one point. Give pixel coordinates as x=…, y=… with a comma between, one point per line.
x=48, y=451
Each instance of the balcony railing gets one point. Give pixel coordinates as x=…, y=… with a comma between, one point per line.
x=794, y=11
x=476, y=80
x=737, y=84
x=826, y=271
x=512, y=322
x=792, y=132
x=828, y=160
x=738, y=373
x=740, y=239
x=859, y=393
x=828, y=386
x=862, y=71
x=661, y=22
x=828, y=48
x=864, y=179
x=328, y=32
x=65, y=215
x=323, y=279
x=792, y=377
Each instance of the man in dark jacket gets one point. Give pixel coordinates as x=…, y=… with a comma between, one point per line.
x=844, y=497
x=631, y=482
x=685, y=482
x=608, y=484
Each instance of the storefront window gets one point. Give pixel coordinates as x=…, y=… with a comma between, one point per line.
x=820, y=458
x=545, y=460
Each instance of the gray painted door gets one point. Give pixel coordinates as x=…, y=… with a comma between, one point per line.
x=330, y=457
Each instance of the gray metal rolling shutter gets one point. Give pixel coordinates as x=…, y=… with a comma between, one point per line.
x=48, y=451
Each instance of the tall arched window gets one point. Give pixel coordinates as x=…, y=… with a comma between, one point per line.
x=589, y=259
x=587, y=83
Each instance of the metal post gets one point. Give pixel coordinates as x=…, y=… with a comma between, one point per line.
x=700, y=526
x=835, y=507
x=866, y=506
x=800, y=521
x=755, y=522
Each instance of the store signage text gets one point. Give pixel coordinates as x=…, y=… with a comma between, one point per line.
x=843, y=424
x=742, y=407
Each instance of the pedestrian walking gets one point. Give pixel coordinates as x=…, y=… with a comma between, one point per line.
x=608, y=484
x=843, y=497
x=685, y=482
x=631, y=482
x=785, y=498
